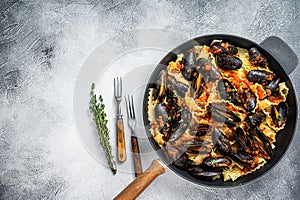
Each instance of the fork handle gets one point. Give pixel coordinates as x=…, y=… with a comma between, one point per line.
x=121, y=140
x=136, y=156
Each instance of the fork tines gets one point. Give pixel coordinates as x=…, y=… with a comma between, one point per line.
x=130, y=107
x=118, y=87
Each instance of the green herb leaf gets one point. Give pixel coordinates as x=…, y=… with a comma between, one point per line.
x=99, y=116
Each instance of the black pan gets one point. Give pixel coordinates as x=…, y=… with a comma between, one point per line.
x=282, y=60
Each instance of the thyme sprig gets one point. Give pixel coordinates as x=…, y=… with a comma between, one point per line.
x=99, y=116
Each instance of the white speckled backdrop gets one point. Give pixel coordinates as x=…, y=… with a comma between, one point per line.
x=43, y=46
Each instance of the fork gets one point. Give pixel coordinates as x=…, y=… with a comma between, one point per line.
x=134, y=141
x=119, y=123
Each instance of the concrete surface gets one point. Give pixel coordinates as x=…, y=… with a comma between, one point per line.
x=43, y=46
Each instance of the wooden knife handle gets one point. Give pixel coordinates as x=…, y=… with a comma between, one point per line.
x=136, y=156
x=136, y=187
x=121, y=141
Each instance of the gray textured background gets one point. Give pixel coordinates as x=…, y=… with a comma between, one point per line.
x=43, y=46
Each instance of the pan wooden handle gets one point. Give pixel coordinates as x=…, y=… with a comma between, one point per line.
x=136, y=187
x=121, y=140
x=136, y=156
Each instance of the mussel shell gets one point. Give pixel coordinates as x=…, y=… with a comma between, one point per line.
x=250, y=101
x=199, y=129
x=241, y=138
x=260, y=76
x=223, y=48
x=178, y=87
x=199, y=172
x=221, y=142
x=222, y=114
x=189, y=70
x=183, y=162
x=254, y=119
x=186, y=117
x=189, y=59
x=216, y=162
x=161, y=111
x=256, y=58
x=273, y=86
x=266, y=147
x=197, y=86
x=228, y=62
x=279, y=114
x=160, y=86
x=228, y=92
x=243, y=158
x=208, y=70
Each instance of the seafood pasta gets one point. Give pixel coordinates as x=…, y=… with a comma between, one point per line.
x=215, y=111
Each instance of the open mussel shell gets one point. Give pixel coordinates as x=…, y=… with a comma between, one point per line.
x=228, y=92
x=249, y=100
x=220, y=113
x=254, y=119
x=220, y=141
x=160, y=86
x=279, y=114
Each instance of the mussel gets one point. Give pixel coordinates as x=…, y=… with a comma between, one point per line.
x=197, y=86
x=228, y=62
x=220, y=141
x=279, y=114
x=273, y=86
x=256, y=58
x=199, y=172
x=208, y=70
x=254, y=119
x=222, y=114
x=161, y=111
x=228, y=92
x=260, y=76
x=199, y=129
x=214, y=163
x=223, y=48
x=186, y=117
x=178, y=87
x=173, y=154
x=243, y=158
x=249, y=100
x=160, y=86
x=241, y=138
x=189, y=70
x=197, y=145
x=265, y=145
x=183, y=162
x=246, y=142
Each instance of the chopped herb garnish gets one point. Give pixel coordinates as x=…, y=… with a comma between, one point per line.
x=174, y=95
x=169, y=118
